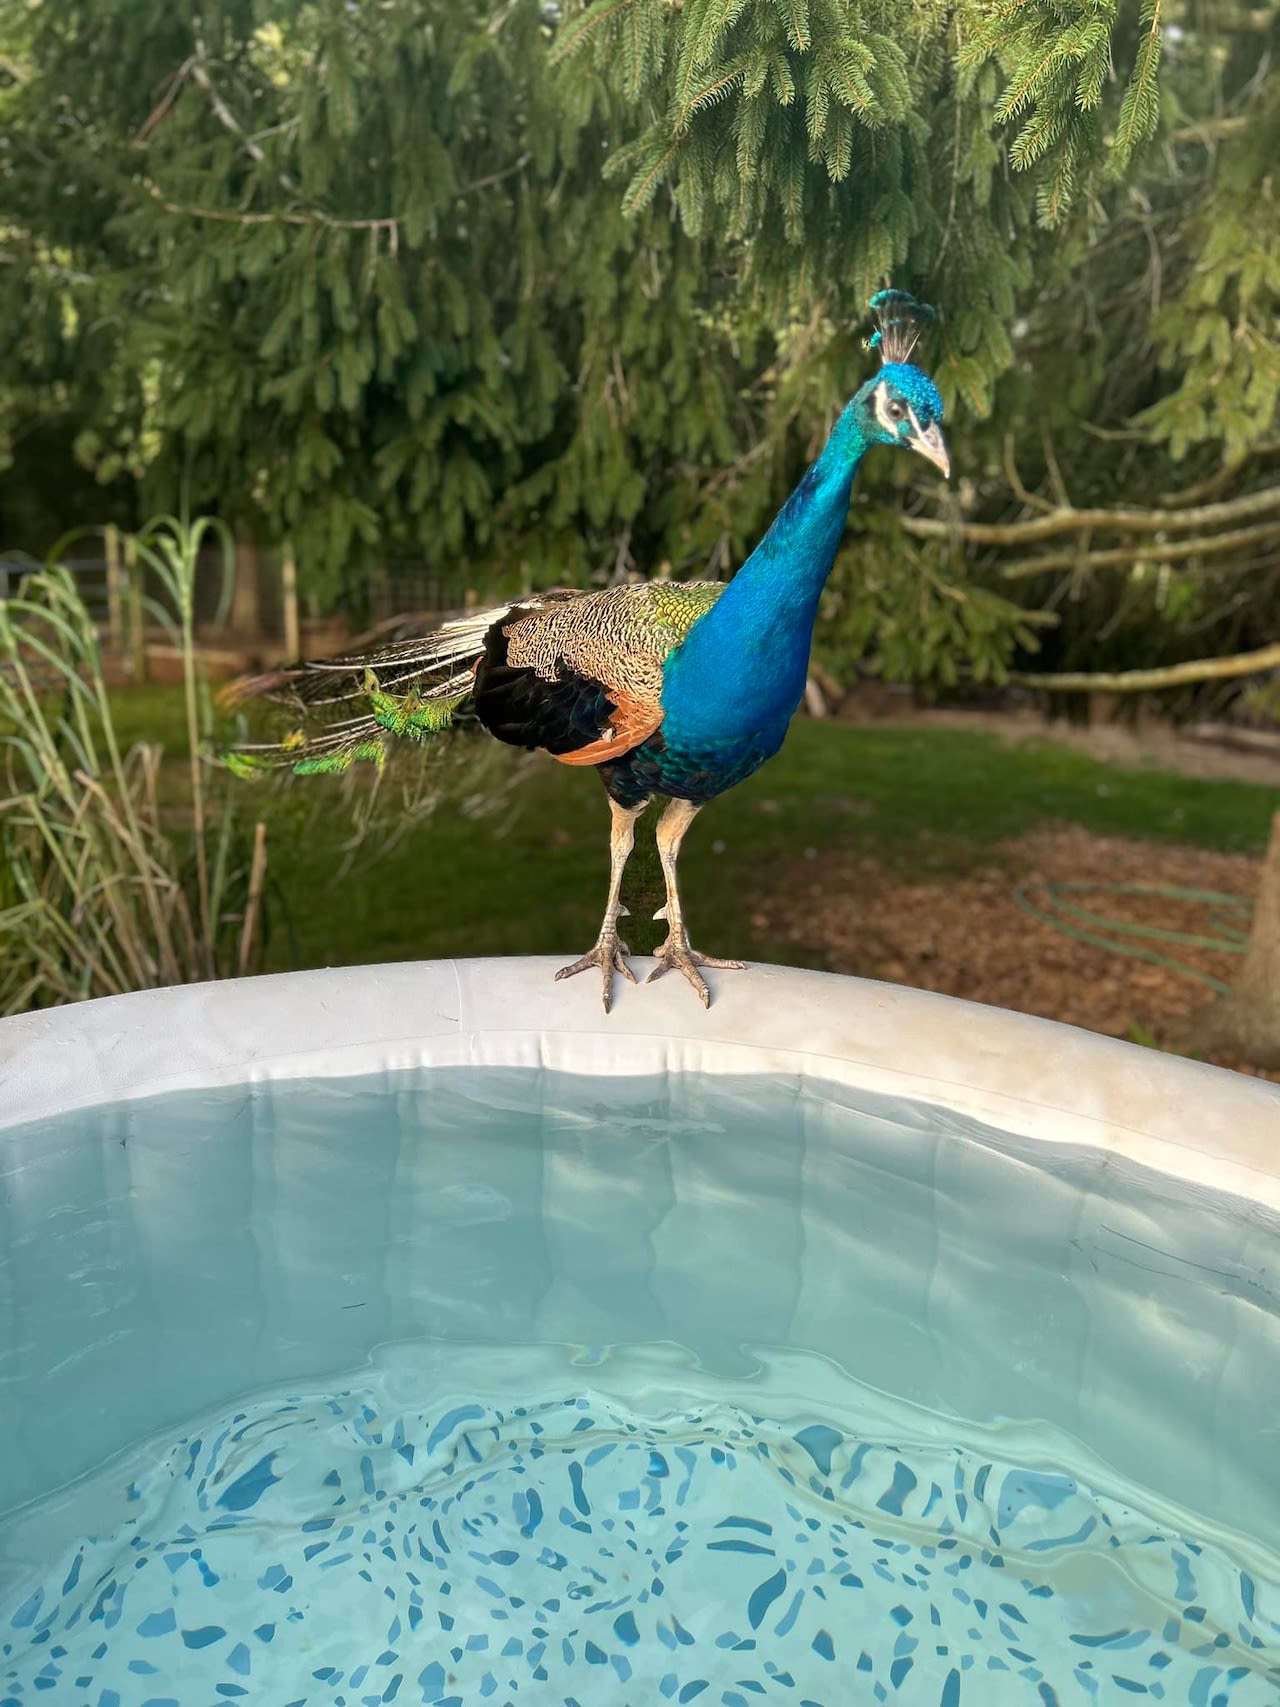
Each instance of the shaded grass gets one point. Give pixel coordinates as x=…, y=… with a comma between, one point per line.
x=531, y=880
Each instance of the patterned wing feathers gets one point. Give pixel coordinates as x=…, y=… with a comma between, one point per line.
x=620, y=639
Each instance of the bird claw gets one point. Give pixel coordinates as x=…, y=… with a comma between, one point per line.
x=609, y=954
x=677, y=951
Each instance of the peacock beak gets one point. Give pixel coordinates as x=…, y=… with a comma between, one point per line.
x=931, y=445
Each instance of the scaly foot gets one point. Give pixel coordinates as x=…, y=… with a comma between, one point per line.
x=609, y=954
x=678, y=952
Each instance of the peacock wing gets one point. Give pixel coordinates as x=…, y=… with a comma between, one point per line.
x=616, y=642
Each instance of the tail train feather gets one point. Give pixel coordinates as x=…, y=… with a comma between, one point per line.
x=410, y=690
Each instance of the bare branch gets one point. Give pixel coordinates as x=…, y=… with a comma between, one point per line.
x=1146, y=681
x=199, y=63
x=1055, y=473
x=331, y=222
x=197, y=67
x=1215, y=483
x=495, y=177
x=229, y=216
x=1076, y=521
x=1019, y=491
x=200, y=71
x=172, y=91
x=1216, y=545
x=495, y=24
x=1212, y=130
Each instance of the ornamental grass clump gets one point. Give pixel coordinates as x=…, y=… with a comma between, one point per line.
x=111, y=878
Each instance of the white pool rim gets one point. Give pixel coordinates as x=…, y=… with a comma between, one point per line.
x=1209, y=1127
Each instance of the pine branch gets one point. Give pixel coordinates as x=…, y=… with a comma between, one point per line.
x=643, y=187
x=1093, y=72
x=980, y=46
x=583, y=29
x=709, y=29
x=850, y=86
x=795, y=18
x=713, y=90
x=1139, y=111
x=1038, y=134
x=1027, y=86
x=636, y=39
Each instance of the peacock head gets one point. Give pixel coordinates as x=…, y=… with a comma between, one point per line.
x=901, y=405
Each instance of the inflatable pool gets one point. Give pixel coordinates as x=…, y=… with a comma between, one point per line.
x=419, y=1334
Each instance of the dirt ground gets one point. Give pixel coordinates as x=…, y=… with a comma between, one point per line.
x=970, y=937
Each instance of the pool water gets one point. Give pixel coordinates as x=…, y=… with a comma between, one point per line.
x=485, y=1386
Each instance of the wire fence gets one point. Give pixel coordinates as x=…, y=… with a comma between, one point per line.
x=256, y=619
x=395, y=584
x=90, y=573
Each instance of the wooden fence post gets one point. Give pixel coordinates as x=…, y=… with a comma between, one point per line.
x=115, y=604
x=136, y=572
x=289, y=600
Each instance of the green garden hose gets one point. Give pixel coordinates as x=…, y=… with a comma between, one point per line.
x=1228, y=915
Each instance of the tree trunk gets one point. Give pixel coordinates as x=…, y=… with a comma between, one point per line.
x=1245, y=1023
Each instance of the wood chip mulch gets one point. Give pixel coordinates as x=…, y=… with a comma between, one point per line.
x=969, y=937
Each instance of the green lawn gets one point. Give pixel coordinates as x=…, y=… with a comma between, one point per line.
x=531, y=879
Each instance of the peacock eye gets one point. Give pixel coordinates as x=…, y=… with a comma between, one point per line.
x=896, y=411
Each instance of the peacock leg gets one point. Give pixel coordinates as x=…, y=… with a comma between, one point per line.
x=609, y=951
x=676, y=950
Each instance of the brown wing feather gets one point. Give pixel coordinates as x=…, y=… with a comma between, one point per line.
x=632, y=723
x=618, y=638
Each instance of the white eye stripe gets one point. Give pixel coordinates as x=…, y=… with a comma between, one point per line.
x=887, y=420
x=893, y=423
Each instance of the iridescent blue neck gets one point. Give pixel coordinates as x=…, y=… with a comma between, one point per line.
x=750, y=652
x=791, y=563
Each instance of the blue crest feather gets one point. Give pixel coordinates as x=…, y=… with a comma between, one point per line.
x=900, y=323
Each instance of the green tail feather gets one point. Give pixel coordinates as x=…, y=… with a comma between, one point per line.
x=326, y=756
x=250, y=767
x=331, y=751
x=410, y=714
x=333, y=764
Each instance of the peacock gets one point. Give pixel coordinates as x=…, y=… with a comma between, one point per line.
x=677, y=689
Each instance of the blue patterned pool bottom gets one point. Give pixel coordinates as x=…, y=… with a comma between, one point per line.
x=329, y=1550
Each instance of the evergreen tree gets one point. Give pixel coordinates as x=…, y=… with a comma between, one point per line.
x=552, y=299
x=1142, y=406
x=359, y=279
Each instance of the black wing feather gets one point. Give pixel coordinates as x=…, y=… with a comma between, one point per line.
x=524, y=709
